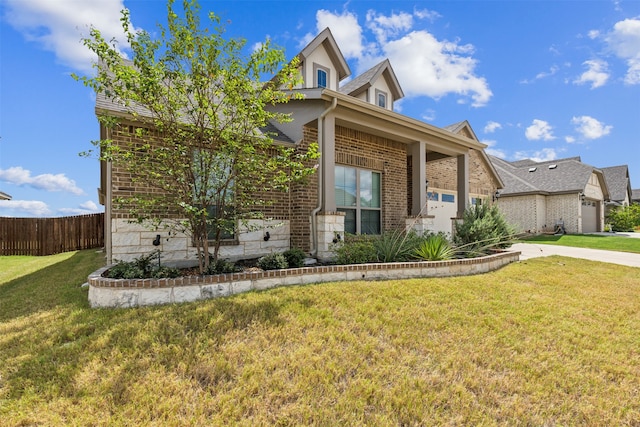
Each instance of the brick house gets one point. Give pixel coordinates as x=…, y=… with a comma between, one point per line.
x=377, y=169
x=619, y=183
x=537, y=196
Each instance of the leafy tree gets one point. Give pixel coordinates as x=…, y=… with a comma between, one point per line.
x=200, y=104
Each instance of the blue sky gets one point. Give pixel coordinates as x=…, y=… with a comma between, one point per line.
x=535, y=79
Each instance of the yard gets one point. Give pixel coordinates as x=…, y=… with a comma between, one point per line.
x=550, y=341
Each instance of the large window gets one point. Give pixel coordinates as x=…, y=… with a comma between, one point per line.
x=358, y=195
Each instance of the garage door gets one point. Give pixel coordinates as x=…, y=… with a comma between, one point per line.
x=589, y=217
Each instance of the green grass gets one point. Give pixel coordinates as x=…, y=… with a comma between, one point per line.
x=548, y=341
x=593, y=241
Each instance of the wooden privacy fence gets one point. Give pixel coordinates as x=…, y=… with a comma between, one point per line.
x=48, y=236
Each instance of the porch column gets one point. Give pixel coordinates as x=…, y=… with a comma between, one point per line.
x=463, y=183
x=418, y=151
x=328, y=160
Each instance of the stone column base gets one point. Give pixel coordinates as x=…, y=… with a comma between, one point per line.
x=420, y=224
x=330, y=226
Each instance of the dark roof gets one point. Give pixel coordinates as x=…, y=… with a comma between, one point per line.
x=617, y=178
x=557, y=176
x=635, y=195
x=369, y=77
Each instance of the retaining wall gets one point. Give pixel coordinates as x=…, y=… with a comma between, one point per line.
x=126, y=293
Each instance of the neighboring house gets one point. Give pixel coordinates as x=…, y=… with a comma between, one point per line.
x=635, y=195
x=372, y=176
x=619, y=185
x=538, y=196
x=4, y=196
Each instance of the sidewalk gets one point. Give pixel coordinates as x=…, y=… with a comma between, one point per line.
x=534, y=250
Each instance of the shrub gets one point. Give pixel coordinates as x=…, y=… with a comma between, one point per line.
x=295, y=257
x=143, y=267
x=220, y=266
x=483, y=227
x=273, y=261
x=435, y=247
x=396, y=246
x=166, y=272
x=625, y=218
x=356, y=250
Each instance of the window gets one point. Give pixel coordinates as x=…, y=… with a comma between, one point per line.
x=381, y=99
x=321, y=76
x=211, y=174
x=448, y=198
x=432, y=196
x=358, y=195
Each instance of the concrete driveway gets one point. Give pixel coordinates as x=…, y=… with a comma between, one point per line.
x=533, y=250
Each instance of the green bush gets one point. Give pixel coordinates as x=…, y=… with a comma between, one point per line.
x=295, y=257
x=272, y=261
x=220, y=266
x=483, y=227
x=625, y=218
x=356, y=250
x=143, y=267
x=435, y=247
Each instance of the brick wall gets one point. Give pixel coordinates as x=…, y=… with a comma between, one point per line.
x=442, y=174
x=359, y=149
x=525, y=213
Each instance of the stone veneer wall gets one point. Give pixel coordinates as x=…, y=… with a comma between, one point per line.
x=131, y=240
x=104, y=292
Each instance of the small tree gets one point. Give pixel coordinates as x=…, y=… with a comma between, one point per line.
x=482, y=227
x=200, y=105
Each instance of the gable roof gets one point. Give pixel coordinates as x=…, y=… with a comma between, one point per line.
x=617, y=178
x=326, y=39
x=464, y=128
x=365, y=80
x=558, y=176
x=635, y=195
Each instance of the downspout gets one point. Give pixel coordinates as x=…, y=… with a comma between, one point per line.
x=314, y=214
x=108, y=206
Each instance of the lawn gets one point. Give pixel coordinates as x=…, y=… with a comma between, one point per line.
x=549, y=341
x=593, y=241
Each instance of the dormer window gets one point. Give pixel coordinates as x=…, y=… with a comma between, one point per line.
x=321, y=76
x=381, y=99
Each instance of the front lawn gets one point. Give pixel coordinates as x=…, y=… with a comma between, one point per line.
x=548, y=341
x=593, y=241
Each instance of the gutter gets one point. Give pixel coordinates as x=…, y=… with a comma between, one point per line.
x=314, y=214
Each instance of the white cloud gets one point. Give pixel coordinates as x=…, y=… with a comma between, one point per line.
x=492, y=126
x=59, y=25
x=591, y=128
x=539, y=130
x=387, y=26
x=85, y=208
x=492, y=151
x=429, y=15
x=569, y=139
x=425, y=66
x=597, y=73
x=22, y=207
x=48, y=182
x=624, y=40
x=543, y=155
x=345, y=30
x=434, y=68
